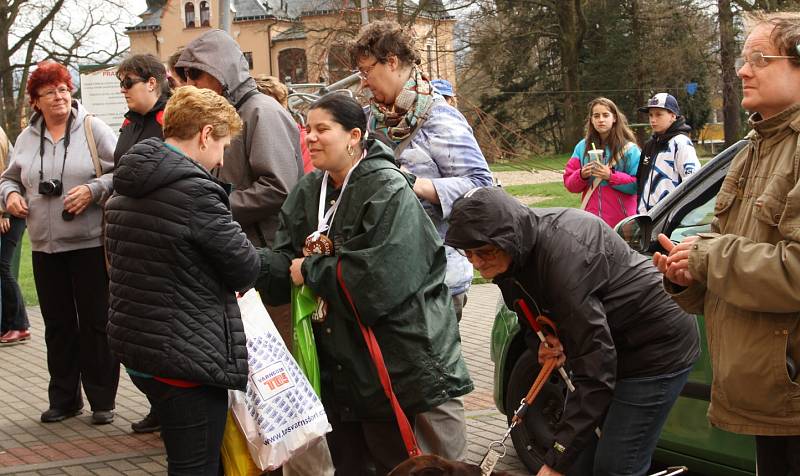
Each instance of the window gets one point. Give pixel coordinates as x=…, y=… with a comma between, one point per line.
x=188, y=10
x=338, y=63
x=292, y=65
x=696, y=221
x=205, y=14
x=248, y=55
x=430, y=61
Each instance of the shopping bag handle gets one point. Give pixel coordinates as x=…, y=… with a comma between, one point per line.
x=406, y=432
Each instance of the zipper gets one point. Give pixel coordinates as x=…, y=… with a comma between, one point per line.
x=227, y=333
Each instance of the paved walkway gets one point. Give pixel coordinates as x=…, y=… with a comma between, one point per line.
x=76, y=447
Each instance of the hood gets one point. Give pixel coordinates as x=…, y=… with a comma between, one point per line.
x=160, y=104
x=677, y=127
x=151, y=165
x=78, y=114
x=216, y=53
x=489, y=215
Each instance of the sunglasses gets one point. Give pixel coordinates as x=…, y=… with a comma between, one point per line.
x=193, y=73
x=485, y=254
x=129, y=82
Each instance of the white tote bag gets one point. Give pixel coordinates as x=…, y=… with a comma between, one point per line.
x=279, y=414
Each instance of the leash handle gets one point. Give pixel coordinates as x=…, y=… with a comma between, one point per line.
x=409, y=440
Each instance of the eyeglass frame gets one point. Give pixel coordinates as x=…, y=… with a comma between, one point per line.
x=364, y=74
x=485, y=254
x=129, y=82
x=52, y=92
x=741, y=61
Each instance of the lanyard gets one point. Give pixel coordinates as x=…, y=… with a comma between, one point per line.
x=324, y=219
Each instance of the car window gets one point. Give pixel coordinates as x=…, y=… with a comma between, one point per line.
x=696, y=221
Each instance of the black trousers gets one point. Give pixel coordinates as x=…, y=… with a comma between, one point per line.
x=192, y=424
x=365, y=448
x=73, y=296
x=778, y=455
x=14, y=315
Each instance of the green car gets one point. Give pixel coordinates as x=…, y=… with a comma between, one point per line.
x=687, y=439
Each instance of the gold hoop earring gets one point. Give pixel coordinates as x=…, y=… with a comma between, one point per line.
x=350, y=151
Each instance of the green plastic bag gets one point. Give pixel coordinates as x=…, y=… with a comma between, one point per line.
x=304, y=349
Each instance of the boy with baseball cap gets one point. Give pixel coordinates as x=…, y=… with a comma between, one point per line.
x=669, y=156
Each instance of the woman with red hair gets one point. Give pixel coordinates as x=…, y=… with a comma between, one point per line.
x=52, y=182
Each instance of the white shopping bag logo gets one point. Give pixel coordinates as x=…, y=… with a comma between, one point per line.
x=271, y=380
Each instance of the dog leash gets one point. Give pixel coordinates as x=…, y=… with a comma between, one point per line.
x=537, y=328
x=409, y=440
x=493, y=455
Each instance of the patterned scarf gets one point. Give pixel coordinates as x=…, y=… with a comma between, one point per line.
x=410, y=104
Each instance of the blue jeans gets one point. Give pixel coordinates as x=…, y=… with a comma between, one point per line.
x=14, y=316
x=192, y=423
x=637, y=414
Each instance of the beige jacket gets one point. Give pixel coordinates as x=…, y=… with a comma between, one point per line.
x=748, y=283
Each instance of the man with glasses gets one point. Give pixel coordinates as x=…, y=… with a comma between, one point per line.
x=628, y=346
x=264, y=162
x=745, y=276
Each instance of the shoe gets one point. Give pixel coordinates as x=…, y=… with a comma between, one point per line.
x=53, y=415
x=15, y=336
x=149, y=424
x=102, y=417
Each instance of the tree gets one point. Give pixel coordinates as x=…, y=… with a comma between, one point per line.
x=730, y=82
x=70, y=32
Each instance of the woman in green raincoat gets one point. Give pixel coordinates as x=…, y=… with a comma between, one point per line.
x=355, y=226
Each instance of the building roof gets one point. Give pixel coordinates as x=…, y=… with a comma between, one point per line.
x=248, y=10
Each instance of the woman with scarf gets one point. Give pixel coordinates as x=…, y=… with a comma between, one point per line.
x=354, y=232
x=433, y=142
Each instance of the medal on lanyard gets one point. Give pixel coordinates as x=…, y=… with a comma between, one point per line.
x=318, y=243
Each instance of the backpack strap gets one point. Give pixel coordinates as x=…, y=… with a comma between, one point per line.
x=87, y=127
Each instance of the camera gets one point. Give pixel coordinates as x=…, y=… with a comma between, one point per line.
x=52, y=188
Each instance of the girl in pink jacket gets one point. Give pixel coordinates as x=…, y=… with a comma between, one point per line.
x=608, y=187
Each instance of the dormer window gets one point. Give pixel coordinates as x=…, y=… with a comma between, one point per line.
x=188, y=10
x=205, y=14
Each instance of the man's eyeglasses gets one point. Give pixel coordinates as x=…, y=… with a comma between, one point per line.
x=129, y=82
x=364, y=73
x=50, y=93
x=485, y=254
x=757, y=59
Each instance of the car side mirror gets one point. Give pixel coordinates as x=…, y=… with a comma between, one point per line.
x=636, y=231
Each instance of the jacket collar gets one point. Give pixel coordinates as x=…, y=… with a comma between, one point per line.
x=766, y=128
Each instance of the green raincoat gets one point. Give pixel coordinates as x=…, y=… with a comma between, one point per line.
x=393, y=264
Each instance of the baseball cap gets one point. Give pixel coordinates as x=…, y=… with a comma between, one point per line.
x=664, y=101
x=443, y=87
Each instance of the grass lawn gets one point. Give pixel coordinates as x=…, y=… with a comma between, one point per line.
x=544, y=162
x=26, y=273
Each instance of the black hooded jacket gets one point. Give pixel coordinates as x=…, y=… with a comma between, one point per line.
x=656, y=144
x=613, y=316
x=177, y=258
x=138, y=127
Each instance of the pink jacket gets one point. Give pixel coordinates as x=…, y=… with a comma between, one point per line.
x=615, y=198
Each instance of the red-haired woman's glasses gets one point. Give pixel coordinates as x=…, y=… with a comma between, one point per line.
x=51, y=93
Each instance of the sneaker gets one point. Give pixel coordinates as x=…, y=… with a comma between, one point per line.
x=52, y=415
x=15, y=337
x=102, y=417
x=149, y=424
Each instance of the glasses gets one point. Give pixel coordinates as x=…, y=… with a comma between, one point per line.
x=193, y=73
x=485, y=254
x=51, y=93
x=129, y=82
x=364, y=73
x=757, y=59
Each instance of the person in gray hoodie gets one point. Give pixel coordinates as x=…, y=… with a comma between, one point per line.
x=264, y=163
x=51, y=181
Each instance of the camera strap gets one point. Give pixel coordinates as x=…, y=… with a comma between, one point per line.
x=41, y=147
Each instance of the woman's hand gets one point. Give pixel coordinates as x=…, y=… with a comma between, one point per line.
x=552, y=350
x=603, y=172
x=16, y=205
x=295, y=270
x=548, y=471
x=5, y=225
x=586, y=171
x=77, y=199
